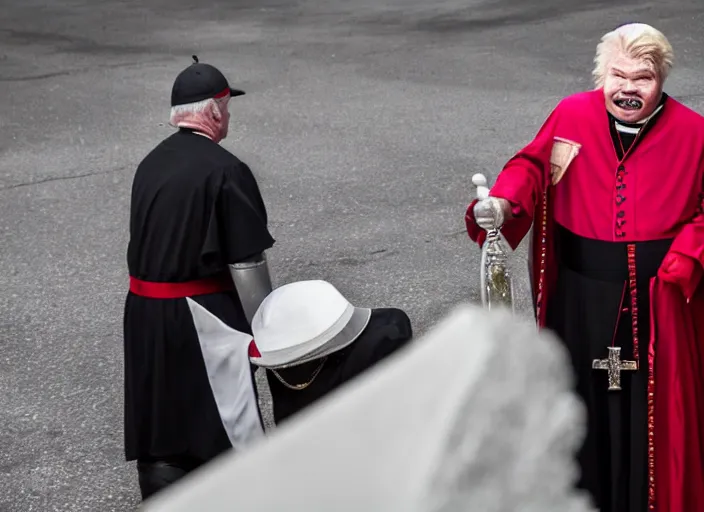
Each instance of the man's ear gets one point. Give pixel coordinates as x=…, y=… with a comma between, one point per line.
x=214, y=111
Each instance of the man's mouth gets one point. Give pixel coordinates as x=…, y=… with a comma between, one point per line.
x=629, y=103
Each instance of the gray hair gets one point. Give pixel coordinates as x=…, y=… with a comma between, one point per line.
x=181, y=113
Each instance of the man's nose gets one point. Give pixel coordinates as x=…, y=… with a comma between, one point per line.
x=629, y=86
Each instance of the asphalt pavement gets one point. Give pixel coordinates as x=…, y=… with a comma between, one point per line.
x=363, y=121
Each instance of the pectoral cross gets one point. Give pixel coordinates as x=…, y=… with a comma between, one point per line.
x=614, y=366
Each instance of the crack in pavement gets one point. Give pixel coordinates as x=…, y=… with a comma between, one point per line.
x=61, y=178
x=35, y=77
x=68, y=72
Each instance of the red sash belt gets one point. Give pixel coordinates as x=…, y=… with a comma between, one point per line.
x=154, y=290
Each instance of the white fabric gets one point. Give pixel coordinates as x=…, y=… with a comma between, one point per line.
x=478, y=415
x=226, y=355
x=627, y=129
x=304, y=320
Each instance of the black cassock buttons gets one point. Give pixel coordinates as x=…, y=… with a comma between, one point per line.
x=620, y=199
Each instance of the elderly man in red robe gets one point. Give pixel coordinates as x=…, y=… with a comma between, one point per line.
x=612, y=186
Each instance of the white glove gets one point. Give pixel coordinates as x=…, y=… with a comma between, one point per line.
x=490, y=213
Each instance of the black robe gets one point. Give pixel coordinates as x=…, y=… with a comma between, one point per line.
x=195, y=208
x=591, y=309
x=389, y=329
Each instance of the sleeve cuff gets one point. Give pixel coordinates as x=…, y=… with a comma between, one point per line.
x=517, y=210
x=682, y=271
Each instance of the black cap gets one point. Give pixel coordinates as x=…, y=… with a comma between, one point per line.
x=200, y=82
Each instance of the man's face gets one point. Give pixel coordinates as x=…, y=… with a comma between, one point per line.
x=632, y=89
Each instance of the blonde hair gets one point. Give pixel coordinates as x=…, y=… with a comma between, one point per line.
x=637, y=41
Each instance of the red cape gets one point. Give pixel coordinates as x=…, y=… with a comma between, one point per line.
x=676, y=347
x=678, y=356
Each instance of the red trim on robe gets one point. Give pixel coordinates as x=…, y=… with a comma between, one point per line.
x=678, y=355
x=254, y=350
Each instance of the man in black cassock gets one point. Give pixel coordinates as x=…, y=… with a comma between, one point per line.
x=197, y=219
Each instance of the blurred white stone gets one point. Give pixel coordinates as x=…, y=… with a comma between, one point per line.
x=475, y=416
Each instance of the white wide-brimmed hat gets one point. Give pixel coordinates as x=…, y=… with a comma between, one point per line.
x=302, y=321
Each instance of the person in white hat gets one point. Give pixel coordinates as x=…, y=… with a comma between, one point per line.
x=311, y=339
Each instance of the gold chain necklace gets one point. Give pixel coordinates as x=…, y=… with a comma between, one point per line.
x=299, y=387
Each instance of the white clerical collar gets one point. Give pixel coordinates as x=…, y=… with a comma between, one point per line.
x=634, y=128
